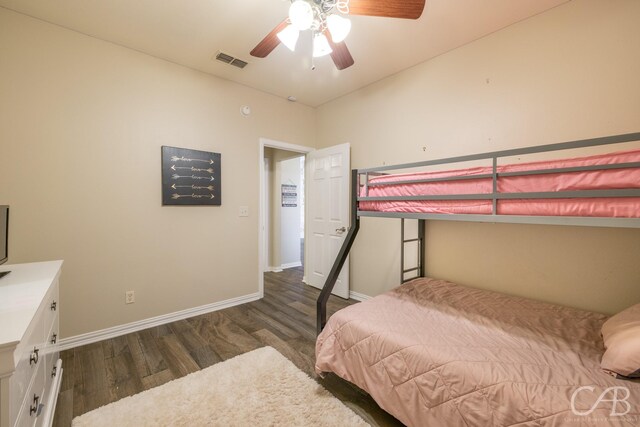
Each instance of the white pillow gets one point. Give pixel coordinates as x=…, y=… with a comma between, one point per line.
x=621, y=334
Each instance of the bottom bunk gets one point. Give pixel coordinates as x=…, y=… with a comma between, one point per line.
x=434, y=353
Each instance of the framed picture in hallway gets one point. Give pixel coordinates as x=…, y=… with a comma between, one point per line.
x=289, y=196
x=191, y=177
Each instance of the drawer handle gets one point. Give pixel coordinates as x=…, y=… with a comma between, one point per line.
x=34, y=408
x=54, y=338
x=54, y=372
x=33, y=359
x=54, y=306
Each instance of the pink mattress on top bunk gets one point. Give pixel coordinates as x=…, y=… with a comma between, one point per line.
x=624, y=207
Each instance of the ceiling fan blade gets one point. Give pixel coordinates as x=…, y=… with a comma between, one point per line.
x=406, y=9
x=270, y=42
x=340, y=53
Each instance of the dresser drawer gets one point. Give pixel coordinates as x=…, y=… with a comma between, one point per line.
x=50, y=373
x=52, y=336
x=28, y=411
x=52, y=382
x=30, y=359
x=51, y=308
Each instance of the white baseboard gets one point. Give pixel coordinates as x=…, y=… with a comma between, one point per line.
x=104, y=334
x=283, y=266
x=291, y=265
x=358, y=296
x=352, y=295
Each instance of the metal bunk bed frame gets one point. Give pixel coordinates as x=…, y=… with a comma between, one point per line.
x=360, y=179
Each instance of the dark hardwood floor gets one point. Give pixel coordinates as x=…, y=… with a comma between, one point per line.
x=103, y=372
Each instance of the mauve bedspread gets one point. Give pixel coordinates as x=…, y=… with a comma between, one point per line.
x=433, y=353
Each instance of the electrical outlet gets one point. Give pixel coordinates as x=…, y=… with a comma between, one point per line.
x=129, y=297
x=244, y=211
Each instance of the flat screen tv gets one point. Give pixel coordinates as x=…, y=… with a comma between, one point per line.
x=4, y=233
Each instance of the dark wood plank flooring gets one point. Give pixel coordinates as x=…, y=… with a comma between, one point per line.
x=103, y=372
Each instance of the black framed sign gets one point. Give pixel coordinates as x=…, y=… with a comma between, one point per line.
x=190, y=177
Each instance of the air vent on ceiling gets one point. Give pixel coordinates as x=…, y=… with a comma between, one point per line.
x=228, y=59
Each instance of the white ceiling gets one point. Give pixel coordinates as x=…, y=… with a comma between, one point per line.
x=190, y=32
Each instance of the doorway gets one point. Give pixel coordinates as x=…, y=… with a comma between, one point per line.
x=282, y=206
x=326, y=182
x=284, y=213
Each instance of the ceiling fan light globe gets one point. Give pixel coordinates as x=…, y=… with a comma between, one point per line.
x=289, y=37
x=321, y=46
x=339, y=27
x=301, y=15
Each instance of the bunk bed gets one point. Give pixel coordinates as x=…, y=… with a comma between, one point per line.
x=432, y=352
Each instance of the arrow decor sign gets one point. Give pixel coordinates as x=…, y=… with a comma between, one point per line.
x=190, y=177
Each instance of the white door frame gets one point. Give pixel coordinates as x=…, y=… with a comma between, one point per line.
x=265, y=212
x=262, y=143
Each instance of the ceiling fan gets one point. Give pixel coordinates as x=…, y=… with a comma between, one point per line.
x=324, y=18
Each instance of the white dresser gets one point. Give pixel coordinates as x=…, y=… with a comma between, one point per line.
x=30, y=369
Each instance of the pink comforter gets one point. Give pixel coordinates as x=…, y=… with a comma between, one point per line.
x=432, y=353
x=586, y=180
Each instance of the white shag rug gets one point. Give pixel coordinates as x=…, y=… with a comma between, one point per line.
x=259, y=388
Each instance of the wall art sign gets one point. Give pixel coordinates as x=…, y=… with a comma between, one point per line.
x=190, y=177
x=289, y=196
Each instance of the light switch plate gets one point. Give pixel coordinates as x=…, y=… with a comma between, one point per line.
x=244, y=211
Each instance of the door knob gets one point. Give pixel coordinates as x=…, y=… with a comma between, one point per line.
x=341, y=230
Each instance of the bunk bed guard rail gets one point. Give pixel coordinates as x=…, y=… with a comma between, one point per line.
x=360, y=183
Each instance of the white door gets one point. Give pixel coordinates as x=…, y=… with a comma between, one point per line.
x=327, y=215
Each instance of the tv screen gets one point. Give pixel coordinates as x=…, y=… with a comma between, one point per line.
x=4, y=233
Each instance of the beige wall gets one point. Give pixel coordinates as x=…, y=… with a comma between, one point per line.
x=81, y=126
x=566, y=74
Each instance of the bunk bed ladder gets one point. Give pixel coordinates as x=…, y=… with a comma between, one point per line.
x=321, y=304
x=420, y=248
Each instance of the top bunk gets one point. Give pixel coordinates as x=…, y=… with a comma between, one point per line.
x=601, y=190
